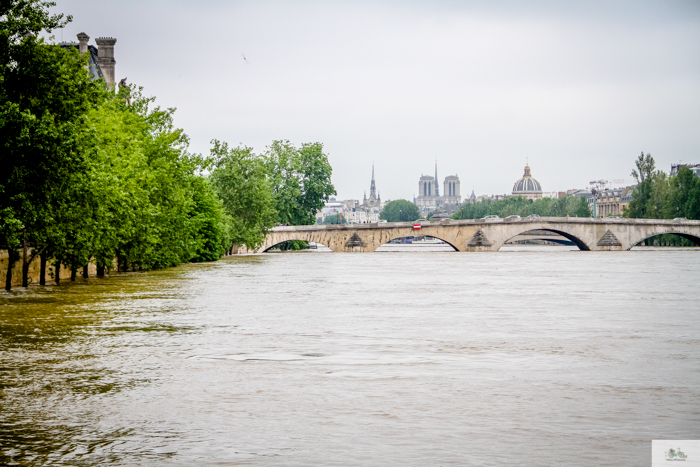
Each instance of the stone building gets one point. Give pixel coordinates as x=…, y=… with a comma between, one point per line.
x=612, y=202
x=527, y=187
x=451, y=190
x=429, y=198
x=101, y=61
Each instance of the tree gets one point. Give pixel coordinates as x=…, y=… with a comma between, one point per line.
x=546, y=207
x=87, y=175
x=44, y=96
x=300, y=180
x=316, y=185
x=659, y=196
x=583, y=209
x=639, y=204
x=684, y=196
x=400, y=210
x=208, y=217
x=656, y=191
x=239, y=180
x=645, y=167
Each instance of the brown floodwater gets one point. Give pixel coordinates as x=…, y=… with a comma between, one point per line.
x=545, y=357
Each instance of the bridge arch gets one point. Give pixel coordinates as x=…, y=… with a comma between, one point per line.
x=268, y=248
x=447, y=242
x=688, y=236
x=582, y=245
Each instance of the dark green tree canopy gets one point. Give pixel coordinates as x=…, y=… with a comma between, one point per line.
x=400, y=210
x=659, y=196
x=85, y=177
x=240, y=181
x=300, y=180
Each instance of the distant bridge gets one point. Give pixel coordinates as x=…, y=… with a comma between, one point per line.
x=488, y=234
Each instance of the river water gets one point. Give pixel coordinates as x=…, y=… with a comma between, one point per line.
x=545, y=357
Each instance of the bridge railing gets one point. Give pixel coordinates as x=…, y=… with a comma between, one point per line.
x=522, y=220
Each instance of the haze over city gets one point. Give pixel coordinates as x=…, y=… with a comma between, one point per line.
x=576, y=89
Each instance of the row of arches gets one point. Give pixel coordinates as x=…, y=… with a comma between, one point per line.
x=569, y=240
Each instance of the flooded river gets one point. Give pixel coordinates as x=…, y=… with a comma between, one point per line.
x=544, y=358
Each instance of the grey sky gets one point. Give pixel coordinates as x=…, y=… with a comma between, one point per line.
x=578, y=88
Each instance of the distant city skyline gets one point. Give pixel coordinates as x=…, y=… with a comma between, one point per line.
x=612, y=183
x=578, y=89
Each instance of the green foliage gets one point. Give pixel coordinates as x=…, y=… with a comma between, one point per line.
x=300, y=180
x=19, y=17
x=659, y=196
x=209, y=222
x=45, y=94
x=239, y=180
x=572, y=206
x=90, y=175
x=148, y=205
x=83, y=175
x=684, y=195
x=400, y=210
x=645, y=167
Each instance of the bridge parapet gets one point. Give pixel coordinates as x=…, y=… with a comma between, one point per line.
x=488, y=234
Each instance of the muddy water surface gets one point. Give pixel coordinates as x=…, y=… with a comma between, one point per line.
x=543, y=357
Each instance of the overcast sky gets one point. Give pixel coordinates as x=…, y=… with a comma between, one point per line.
x=577, y=88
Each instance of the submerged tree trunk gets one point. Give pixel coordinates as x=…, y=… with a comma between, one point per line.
x=13, y=256
x=42, y=269
x=100, y=271
x=57, y=272
x=85, y=271
x=25, y=262
x=8, y=276
x=73, y=273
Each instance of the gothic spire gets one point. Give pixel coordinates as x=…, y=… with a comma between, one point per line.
x=437, y=189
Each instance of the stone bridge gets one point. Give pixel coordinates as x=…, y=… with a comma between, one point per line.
x=488, y=234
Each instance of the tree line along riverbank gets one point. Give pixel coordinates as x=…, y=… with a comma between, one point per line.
x=89, y=174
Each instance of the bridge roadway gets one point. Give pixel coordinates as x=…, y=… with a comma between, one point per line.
x=488, y=234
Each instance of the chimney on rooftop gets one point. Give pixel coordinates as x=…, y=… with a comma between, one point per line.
x=105, y=57
x=83, y=42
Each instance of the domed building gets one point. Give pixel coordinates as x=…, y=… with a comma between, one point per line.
x=527, y=187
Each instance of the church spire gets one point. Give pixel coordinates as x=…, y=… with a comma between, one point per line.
x=437, y=189
x=372, y=187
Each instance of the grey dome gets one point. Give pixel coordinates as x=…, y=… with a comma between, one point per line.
x=527, y=184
